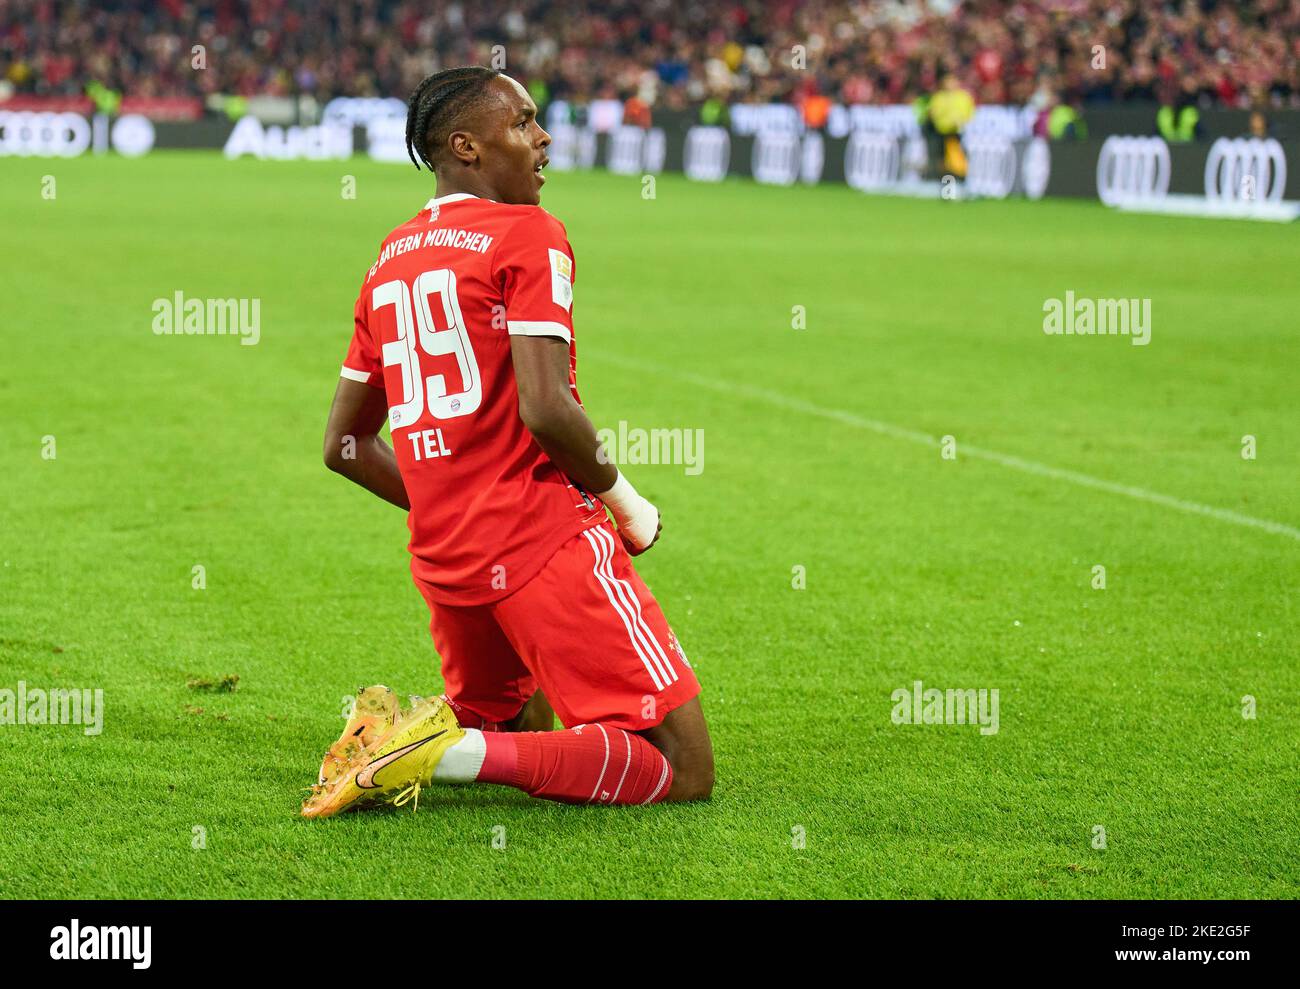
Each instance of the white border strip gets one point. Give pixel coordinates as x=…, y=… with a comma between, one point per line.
x=537, y=328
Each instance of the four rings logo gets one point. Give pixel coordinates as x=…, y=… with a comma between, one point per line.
x=1132, y=170
x=572, y=147
x=707, y=156
x=775, y=158
x=46, y=135
x=28, y=133
x=782, y=157
x=633, y=151
x=1245, y=170
x=872, y=161
x=991, y=168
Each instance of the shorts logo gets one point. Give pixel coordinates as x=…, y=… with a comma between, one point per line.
x=677, y=647
x=561, y=279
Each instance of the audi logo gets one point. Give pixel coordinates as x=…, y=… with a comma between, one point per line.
x=1132, y=170
x=707, y=154
x=47, y=135
x=1243, y=169
x=571, y=147
x=625, y=150
x=781, y=158
x=872, y=161
x=633, y=151
x=775, y=159
x=991, y=166
x=66, y=135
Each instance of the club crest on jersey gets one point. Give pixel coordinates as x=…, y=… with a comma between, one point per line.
x=433, y=212
x=561, y=279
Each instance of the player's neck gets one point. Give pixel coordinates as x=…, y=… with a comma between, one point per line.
x=449, y=185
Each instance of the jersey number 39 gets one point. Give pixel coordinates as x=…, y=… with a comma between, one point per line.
x=422, y=335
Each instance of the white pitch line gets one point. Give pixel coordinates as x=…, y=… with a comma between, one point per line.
x=916, y=436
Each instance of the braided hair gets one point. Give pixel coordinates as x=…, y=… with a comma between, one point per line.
x=437, y=105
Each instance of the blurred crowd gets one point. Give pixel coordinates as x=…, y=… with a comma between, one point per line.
x=677, y=53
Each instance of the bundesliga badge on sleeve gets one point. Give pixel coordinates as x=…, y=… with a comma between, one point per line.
x=561, y=279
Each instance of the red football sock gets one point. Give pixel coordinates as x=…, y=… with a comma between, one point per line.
x=588, y=764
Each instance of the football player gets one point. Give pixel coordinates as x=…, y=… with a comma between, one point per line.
x=464, y=342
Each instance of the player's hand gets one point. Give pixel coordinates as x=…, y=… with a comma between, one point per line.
x=635, y=550
x=637, y=519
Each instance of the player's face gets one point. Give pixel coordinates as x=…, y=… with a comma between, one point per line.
x=514, y=145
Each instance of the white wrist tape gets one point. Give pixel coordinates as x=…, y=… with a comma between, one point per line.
x=637, y=519
x=622, y=498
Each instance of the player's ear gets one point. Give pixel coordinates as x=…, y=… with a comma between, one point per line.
x=463, y=147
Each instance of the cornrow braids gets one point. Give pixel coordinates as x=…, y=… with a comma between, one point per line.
x=437, y=105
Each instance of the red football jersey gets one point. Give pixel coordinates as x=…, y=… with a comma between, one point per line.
x=433, y=326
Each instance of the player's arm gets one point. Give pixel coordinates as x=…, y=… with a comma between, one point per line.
x=353, y=446
x=564, y=432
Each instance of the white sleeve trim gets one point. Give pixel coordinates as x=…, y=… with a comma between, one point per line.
x=539, y=328
x=354, y=375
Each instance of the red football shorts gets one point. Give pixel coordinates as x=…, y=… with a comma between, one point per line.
x=586, y=630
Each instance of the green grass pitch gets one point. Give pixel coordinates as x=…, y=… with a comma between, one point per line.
x=1120, y=708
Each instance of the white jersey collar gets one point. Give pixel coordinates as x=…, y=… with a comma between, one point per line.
x=452, y=198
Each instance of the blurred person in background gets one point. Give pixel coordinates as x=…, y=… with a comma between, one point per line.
x=636, y=111
x=951, y=109
x=1057, y=120
x=1178, y=120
